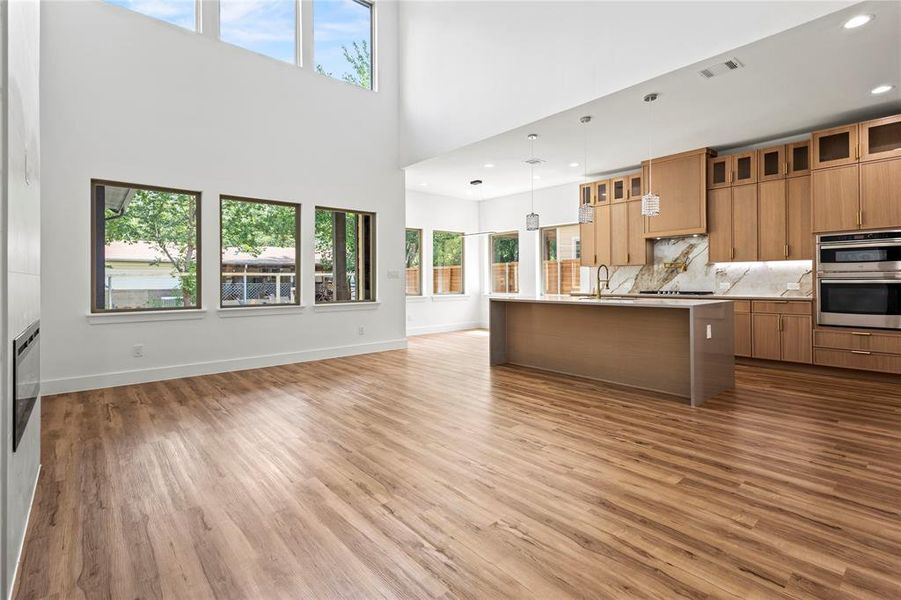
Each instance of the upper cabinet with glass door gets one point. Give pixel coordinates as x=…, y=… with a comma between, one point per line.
x=744, y=168
x=835, y=147
x=587, y=194
x=634, y=184
x=719, y=172
x=880, y=138
x=797, y=157
x=771, y=163
x=602, y=192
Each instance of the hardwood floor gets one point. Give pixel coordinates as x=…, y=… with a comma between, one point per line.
x=423, y=473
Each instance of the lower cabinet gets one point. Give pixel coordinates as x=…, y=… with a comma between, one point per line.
x=774, y=330
x=850, y=349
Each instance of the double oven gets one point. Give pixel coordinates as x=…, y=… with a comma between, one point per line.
x=859, y=279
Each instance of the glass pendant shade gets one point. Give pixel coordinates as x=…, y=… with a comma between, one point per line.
x=586, y=214
x=532, y=222
x=650, y=205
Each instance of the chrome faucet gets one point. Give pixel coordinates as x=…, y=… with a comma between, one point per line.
x=606, y=281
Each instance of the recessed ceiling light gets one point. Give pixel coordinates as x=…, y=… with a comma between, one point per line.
x=489, y=165
x=574, y=164
x=858, y=21
x=881, y=89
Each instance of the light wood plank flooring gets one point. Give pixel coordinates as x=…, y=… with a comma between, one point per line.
x=424, y=473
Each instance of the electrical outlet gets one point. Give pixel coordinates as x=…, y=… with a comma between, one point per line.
x=361, y=330
x=137, y=350
x=709, y=331
x=793, y=286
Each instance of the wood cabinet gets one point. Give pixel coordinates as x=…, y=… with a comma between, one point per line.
x=880, y=194
x=681, y=182
x=732, y=224
x=858, y=349
x=781, y=330
x=880, y=138
x=586, y=194
x=719, y=172
x=618, y=189
x=742, y=328
x=594, y=238
x=628, y=244
x=783, y=219
x=771, y=163
x=634, y=188
x=744, y=168
x=835, y=196
x=744, y=222
x=835, y=147
x=798, y=158
x=601, y=191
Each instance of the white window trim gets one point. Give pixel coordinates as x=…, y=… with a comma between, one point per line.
x=148, y=316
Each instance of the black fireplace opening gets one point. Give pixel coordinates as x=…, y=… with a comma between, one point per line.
x=26, y=378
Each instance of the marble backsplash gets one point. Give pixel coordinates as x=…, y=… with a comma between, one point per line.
x=736, y=279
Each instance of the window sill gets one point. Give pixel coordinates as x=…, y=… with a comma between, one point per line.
x=261, y=310
x=111, y=318
x=417, y=298
x=450, y=297
x=345, y=306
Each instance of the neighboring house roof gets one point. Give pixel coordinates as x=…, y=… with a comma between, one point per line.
x=143, y=252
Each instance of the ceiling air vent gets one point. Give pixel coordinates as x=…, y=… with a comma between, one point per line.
x=720, y=68
x=534, y=161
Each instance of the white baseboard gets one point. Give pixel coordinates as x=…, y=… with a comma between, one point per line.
x=34, y=491
x=105, y=380
x=443, y=328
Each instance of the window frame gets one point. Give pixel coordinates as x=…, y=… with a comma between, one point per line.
x=95, y=183
x=541, y=258
x=462, y=291
x=297, y=231
x=373, y=43
x=298, y=35
x=491, y=239
x=373, y=268
x=421, y=265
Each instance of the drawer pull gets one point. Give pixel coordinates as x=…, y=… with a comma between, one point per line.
x=861, y=333
x=860, y=352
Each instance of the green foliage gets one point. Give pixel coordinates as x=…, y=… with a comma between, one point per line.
x=168, y=221
x=324, y=232
x=252, y=226
x=505, y=249
x=413, y=248
x=359, y=57
x=447, y=249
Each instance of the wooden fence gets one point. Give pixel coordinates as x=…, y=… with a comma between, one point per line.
x=561, y=276
x=505, y=277
x=414, y=281
x=447, y=280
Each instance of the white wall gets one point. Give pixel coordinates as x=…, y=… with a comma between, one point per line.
x=129, y=98
x=429, y=313
x=471, y=70
x=21, y=264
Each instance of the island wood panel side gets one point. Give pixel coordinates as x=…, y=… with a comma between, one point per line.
x=643, y=347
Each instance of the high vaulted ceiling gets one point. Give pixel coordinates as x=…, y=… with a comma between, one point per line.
x=812, y=75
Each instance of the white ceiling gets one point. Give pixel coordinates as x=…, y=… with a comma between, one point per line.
x=813, y=75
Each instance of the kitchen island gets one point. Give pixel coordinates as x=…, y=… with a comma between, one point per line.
x=679, y=347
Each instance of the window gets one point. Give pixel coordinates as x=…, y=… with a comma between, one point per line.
x=259, y=252
x=560, y=259
x=345, y=248
x=505, y=263
x=268, y=27
x=342, y=40
x=447, y=262
x=145, y=248
x=178, y=12
x=413, y=252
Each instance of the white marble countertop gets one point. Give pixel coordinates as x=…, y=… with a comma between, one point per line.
x=715, y=297
x=642, y=302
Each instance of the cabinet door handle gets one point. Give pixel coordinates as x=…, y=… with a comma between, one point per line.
x=857, y=151
x=861, y=333
x=780, y=323
x=785, y=166
x=860, y=352
x=786, y=251
x=859, y=217
x=732, y=253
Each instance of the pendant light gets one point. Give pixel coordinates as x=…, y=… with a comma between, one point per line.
x=650, y=202
x=532, y=217
x=586, y=211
